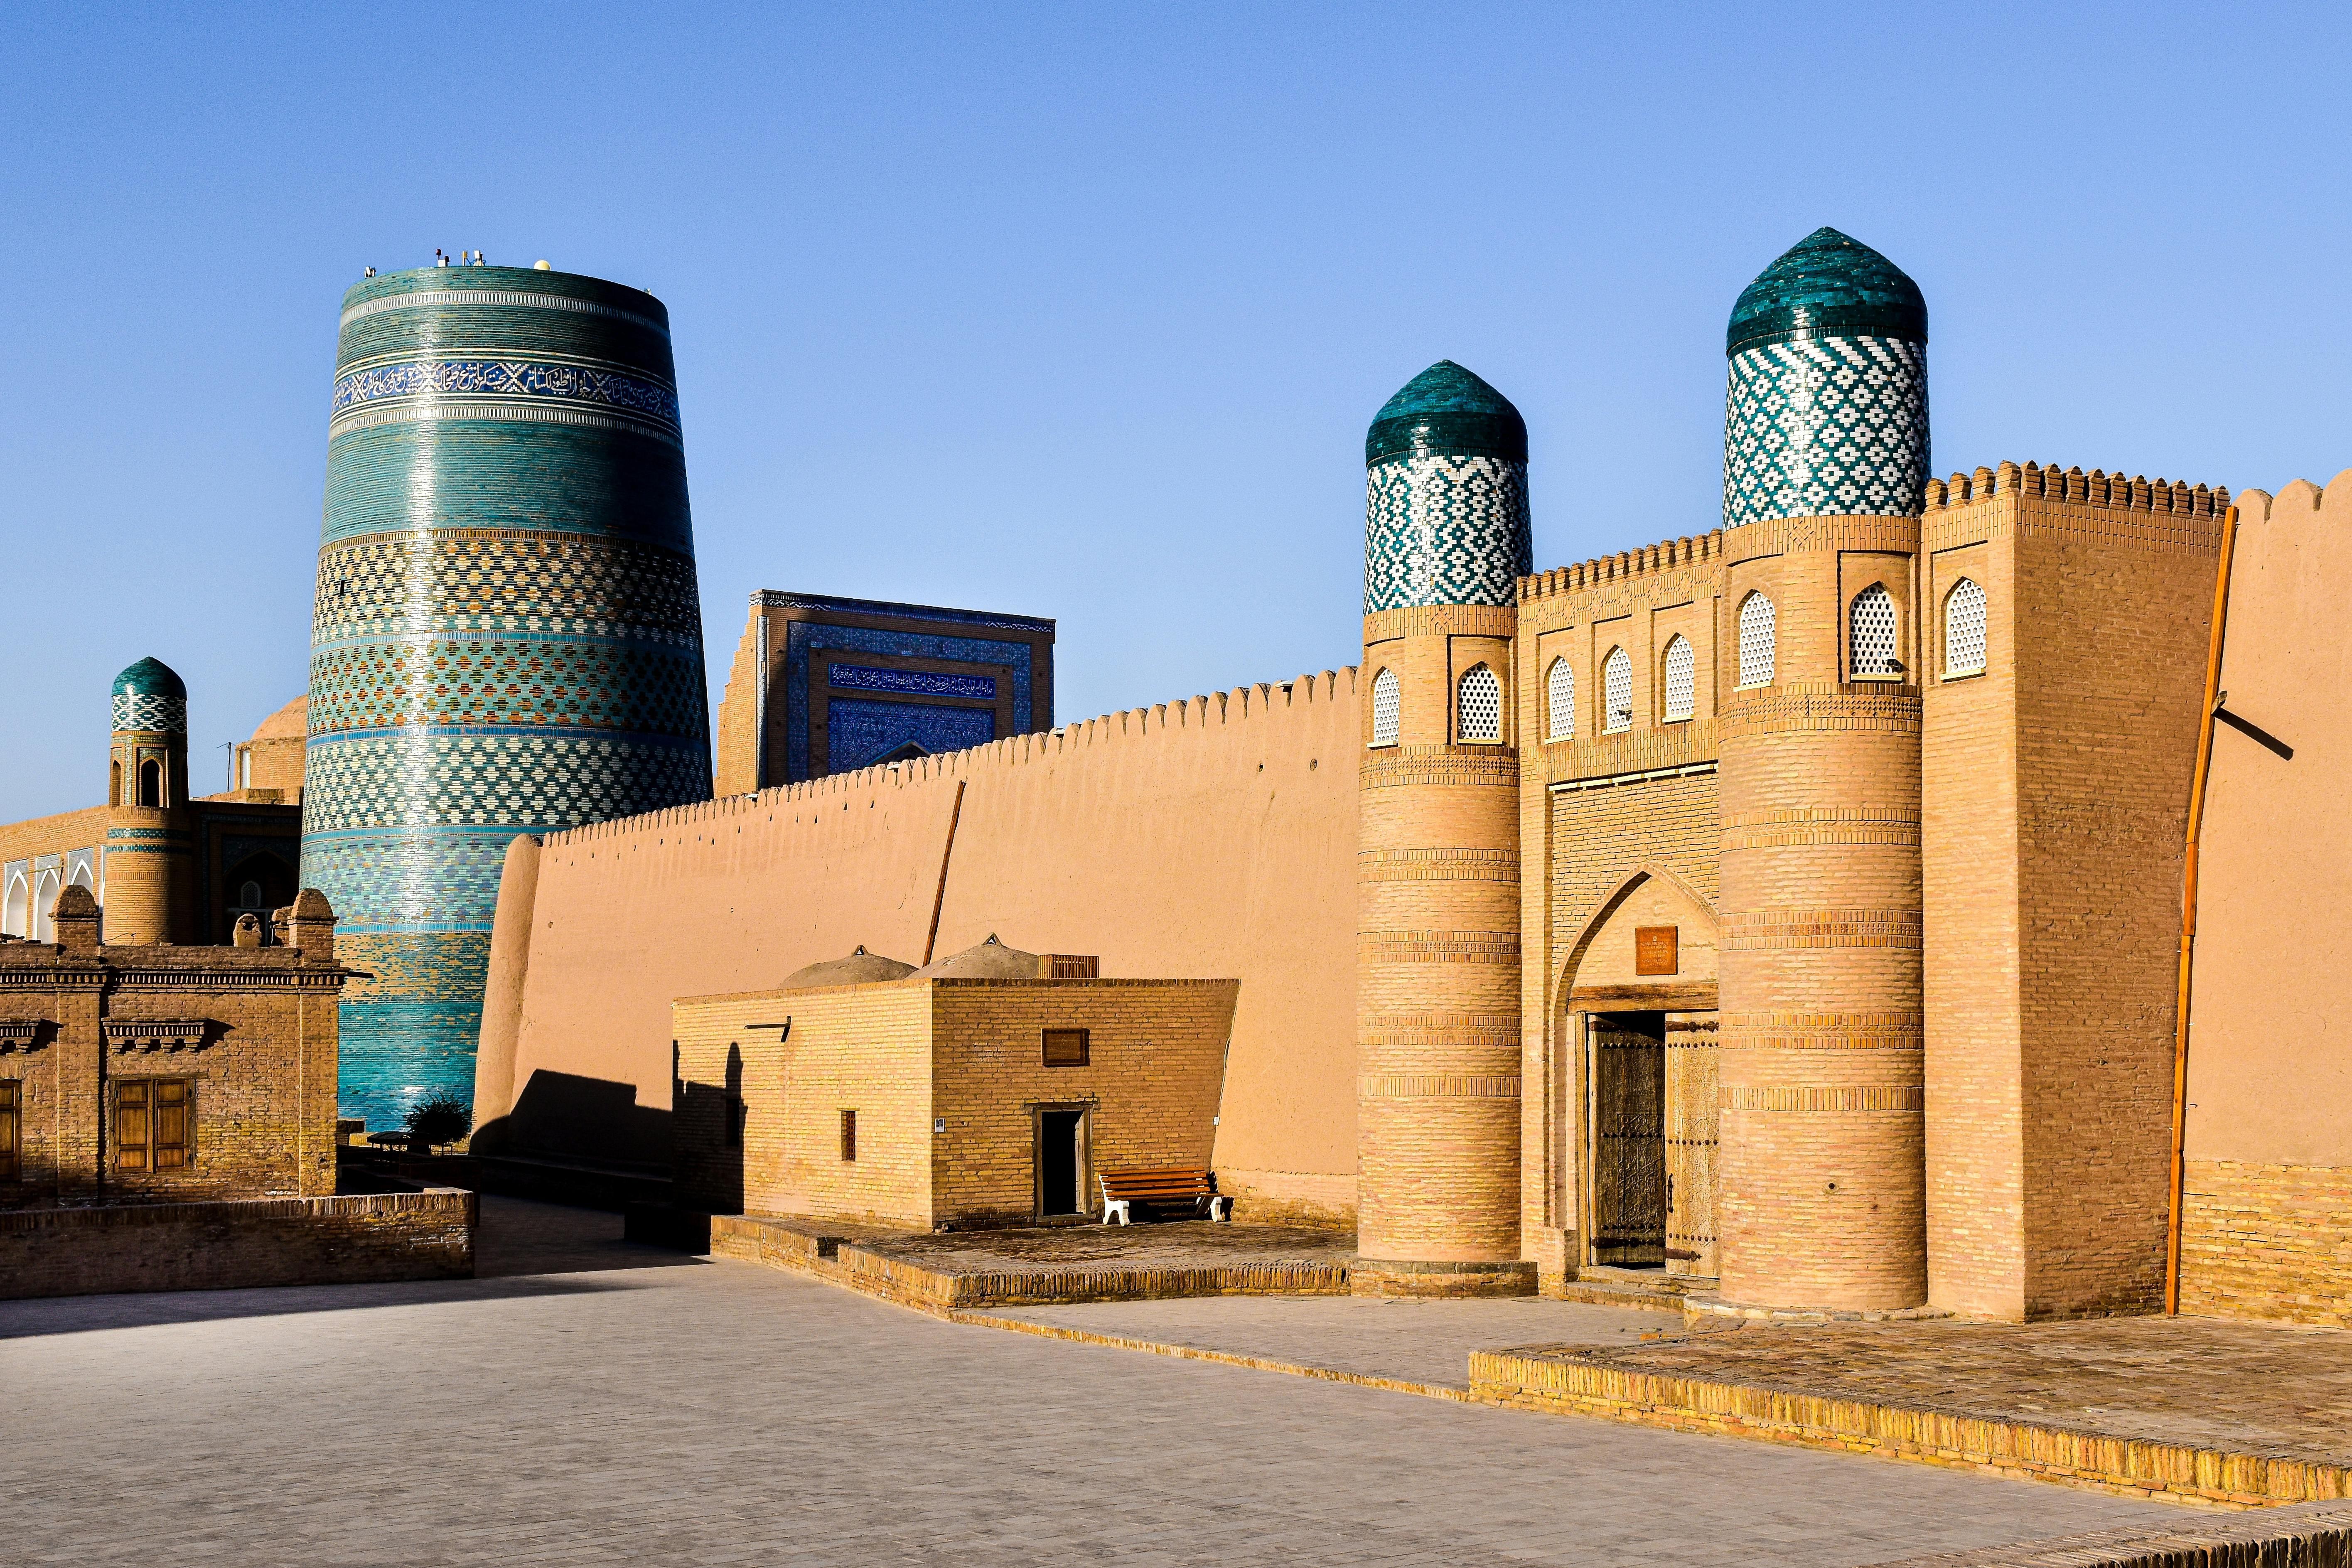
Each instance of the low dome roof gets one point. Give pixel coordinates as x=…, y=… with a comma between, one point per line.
x=1447, y=409
x=150, y=677
x=291, y=723
x=1827, y=285
x=860, y=968
x=990, y=960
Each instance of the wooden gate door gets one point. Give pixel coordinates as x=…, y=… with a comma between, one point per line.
x=1692, y=1120
x=1629, y=1156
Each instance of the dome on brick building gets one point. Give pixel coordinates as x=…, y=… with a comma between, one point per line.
x=150, y=695
x=1447, y=409
x=291, y=723
x=1828, y=284
x=860, y=968
x=990, y=960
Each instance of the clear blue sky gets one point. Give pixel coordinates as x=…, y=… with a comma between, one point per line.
x=1082, y=311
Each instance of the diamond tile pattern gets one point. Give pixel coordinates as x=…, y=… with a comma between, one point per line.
x=1825, y=426
x=152, y=711
x=1445, y=529
x=451, y=582
x=523, y=781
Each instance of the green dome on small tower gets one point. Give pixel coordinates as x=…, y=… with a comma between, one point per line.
x=1447, y=409
x=150, y=677
x=1828, y=285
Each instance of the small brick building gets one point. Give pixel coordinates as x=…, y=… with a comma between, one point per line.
x=987, y=1088
x=163, y=1073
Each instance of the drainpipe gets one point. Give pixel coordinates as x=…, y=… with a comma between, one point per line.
x=2188, y=913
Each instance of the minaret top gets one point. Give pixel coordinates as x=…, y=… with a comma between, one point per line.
x=1447, y=409
x=1827, y=285
x=150, y=695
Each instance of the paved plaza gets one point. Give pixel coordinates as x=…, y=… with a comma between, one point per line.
x=587, y=1401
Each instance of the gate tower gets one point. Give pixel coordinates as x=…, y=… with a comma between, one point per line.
x=507, y=638
x=1825, y=462
x=1437, y=975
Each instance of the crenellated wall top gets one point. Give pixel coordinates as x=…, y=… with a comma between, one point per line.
x=1670, y=555
x=2097, y=488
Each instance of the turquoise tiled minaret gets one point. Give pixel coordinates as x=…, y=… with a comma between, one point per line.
x=1446, y=505
x=507, y=637
x=1826, y=414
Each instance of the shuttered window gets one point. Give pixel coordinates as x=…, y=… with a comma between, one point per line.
x=849, y=1135
x=1066, y=1047
x=11, y=1128
x=153, y=1123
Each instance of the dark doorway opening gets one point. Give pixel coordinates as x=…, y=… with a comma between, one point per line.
x=1629, y=1139
x=1061, y=1163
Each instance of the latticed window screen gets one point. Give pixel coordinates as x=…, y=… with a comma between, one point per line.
x=1384, y=707
x=1482, y=706
x=1872, y=623
x=1559, y=699
x=1681, y=679
x=1756, y=640
x=1617, y=692
x=1964, y=628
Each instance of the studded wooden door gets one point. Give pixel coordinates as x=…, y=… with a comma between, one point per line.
x=1629, y=1156
x=1692, y=1120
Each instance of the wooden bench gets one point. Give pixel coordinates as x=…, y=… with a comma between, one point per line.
x=1197, y=1188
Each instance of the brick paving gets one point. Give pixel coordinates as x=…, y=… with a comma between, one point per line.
x=591, y=1401
x=2199, y=1382
x=1416, y=1342
x=1180, y=1244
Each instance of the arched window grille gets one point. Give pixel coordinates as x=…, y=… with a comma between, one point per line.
x=45, y=906
x=16, y=917
x=150, y=783
x=1385, y=704
x=1964, y=628
x=1481, y=706
x=1560, y=700
x=1681, y=679
x=249, y=897
x=1871, y=625
x=1617, y=692
x=1756, y=640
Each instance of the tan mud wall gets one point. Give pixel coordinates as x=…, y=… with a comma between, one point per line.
x=2270, y=1054
x=1207, y=839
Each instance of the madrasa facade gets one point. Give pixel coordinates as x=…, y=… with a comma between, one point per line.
x=1789, y=916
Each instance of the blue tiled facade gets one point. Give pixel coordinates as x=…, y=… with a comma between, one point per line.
x=1825, y=413
x=507, y=633
x=858, y=681
x=1446, y=518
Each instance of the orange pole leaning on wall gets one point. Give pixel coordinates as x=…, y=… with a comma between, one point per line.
x=939, y=898
x=2189, y=914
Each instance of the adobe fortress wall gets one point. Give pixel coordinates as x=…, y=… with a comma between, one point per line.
x=1208, y=838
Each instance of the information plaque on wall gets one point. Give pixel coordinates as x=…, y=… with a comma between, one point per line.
x=1656, y=949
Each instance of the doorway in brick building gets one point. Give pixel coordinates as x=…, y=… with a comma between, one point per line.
x=1626, y=1068
x=1061, y=1163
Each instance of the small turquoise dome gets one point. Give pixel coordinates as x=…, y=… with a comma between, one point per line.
x=1827, y=285
x=1447, y=409
x=150, y=677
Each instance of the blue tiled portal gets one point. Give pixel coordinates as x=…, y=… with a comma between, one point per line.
x=863, y=732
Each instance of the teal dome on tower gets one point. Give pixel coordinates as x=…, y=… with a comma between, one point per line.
x=1446, y=495
x=150, y=696
x=1826, y=410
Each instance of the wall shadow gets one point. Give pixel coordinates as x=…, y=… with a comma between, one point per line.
x=707, y=1161
x=566, y=1116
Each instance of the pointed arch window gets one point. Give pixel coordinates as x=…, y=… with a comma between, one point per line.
x=1871, y=633
x=150, y=783
x=1560, y=701
x=1386, y=705
x=1964, y=628
x=1756, y=640
x=1682, y=680
x=1616, y=692
x=1479, y=713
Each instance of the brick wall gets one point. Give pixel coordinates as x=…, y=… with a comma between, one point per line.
x=2267, y=1242
x=237, y=1244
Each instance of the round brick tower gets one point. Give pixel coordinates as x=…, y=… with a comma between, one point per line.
x=150, y=848
x=507, y=637
x=1825, y=460
x=1437, y=968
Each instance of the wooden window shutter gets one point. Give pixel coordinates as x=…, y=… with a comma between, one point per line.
x=1066, y=1047
x=11, y=1113
x=849, y=1135
x=131, y=1124
x=174, y=1105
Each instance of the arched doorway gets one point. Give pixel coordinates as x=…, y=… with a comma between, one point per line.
x=258, y=884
